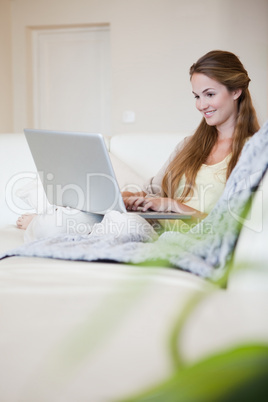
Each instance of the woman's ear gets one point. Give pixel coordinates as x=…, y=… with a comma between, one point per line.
x=237, y=93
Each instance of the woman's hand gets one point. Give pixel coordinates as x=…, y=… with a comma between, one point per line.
x=159, y=204
x=163, y=204
x=134, y=202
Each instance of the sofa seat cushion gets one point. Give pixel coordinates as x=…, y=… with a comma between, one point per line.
x=10, y=237
x=71, y=324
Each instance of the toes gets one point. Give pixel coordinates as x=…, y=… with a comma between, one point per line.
x=24, y=220
x=19, y=222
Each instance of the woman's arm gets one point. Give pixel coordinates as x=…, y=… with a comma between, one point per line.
x=127, y=194
x=150, y=197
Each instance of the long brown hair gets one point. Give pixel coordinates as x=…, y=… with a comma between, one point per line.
x=226, y=68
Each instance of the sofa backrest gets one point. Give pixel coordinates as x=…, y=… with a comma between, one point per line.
x=17, y=166
x=145, y=152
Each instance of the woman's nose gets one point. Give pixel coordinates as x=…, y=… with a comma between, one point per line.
x=202, y=104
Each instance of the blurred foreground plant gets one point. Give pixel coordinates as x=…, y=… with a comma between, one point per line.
x=239, y=374
x=236, y=374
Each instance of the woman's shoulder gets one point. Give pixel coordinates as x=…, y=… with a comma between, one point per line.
x=183, y=142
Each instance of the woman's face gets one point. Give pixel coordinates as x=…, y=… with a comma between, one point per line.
x=215, y=102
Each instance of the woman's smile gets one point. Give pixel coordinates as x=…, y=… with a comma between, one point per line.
x=209, y=113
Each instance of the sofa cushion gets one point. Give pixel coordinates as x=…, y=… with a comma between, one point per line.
x=144, y=153
x=68, y=325
x=11, y=237
x=128, y=179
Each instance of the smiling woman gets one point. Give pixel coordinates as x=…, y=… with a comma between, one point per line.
x=193, y=179
x=220, y=85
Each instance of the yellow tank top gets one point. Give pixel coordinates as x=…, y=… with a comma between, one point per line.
x=209, y=185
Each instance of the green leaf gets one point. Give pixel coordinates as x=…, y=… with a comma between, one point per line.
x=234, y=375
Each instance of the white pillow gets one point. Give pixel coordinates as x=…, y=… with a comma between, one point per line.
x=127, y=178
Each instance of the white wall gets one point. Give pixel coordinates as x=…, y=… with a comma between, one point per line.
x=153, y=44
x=6, y=123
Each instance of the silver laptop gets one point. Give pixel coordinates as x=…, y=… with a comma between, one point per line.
x=76, y=171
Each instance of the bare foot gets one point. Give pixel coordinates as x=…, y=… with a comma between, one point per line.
x=24, y=220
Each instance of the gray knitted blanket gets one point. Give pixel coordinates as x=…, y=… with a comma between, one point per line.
x=205, y=250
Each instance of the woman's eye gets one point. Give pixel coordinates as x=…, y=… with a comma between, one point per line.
x=196, y=97
x=210, y=95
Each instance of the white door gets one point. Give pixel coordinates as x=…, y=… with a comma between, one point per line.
x=71, y=79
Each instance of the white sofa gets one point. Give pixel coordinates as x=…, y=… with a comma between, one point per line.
x=96, y=331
